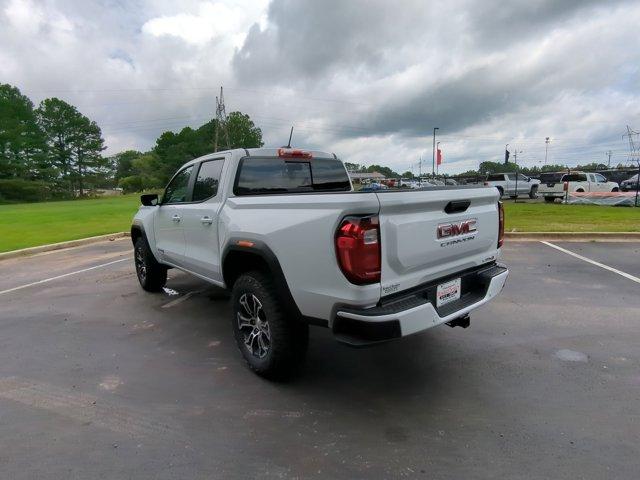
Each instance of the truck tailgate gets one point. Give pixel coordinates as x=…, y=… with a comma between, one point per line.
x=415, y=252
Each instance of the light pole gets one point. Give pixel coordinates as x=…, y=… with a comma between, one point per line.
x=433, y=161
x=506, y=159
x=515, y=162
x=437, y=164
x=546, y=149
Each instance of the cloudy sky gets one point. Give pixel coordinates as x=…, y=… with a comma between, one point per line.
x=366, y=79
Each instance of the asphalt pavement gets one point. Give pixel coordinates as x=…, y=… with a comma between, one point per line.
x=99, y=379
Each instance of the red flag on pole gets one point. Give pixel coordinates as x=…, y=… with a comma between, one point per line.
x=439, y=157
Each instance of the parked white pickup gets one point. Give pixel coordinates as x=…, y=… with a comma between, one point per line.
x=507, y=184
x=576, y=182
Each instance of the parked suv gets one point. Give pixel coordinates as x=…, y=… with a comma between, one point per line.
x=630, y=184
x=283, y=230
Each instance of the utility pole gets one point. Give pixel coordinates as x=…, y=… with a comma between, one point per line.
x=609, y=155
x=221, y=122
x=433, y=162
x=546, y=149
x=420, y=168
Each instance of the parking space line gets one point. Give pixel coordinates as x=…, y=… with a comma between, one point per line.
x=593, y=262
x=51, y=279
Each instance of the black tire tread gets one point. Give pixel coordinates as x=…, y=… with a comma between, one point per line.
x=156, y=273
x=289, y=337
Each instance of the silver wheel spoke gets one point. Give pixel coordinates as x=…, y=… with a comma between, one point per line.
x=253, y=325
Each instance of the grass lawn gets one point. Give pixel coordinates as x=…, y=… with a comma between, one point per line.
x=543, y=217
x=31, y=224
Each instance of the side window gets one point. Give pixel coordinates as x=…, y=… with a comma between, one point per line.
x=600, y=178
x=511, y=176
x=207, y=181
x=591, y=177
x=178, y=188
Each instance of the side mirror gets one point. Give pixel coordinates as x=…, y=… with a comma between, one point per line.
x=528, y=179
x=149, y=199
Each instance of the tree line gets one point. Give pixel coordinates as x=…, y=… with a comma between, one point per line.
x=53, y=151
x=46, y=152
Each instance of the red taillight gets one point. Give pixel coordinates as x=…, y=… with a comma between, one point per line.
x=358, y=249
x=500, y=224
x=293, y=153
x=565, y=187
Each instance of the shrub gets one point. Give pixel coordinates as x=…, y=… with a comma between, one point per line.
x=19, y=190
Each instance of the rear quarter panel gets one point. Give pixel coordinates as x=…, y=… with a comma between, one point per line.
x=300, y=230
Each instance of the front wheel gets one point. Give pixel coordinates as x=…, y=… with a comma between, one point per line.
x=615, y=189
x=533, y=193
x=272, y=344
x=151, y=274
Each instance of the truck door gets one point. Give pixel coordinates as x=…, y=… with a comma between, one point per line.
x=200, y=221
x=601, y=183
x=168, y=222
x=510, y=184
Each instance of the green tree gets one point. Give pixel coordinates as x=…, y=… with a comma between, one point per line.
x=407, y=174
x=174, y=149
x=243, y=133
x=22, y=146
x=74, y=143
x=122, y=163
x=386, y=171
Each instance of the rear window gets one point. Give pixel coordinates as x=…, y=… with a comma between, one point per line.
x=550, y=177
x=575, y=177
x=281, y=175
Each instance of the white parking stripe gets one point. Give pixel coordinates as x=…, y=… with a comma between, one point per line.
x=46, y=280
x=593, y=262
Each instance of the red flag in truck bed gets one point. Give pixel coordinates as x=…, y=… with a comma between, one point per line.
x=439, y=159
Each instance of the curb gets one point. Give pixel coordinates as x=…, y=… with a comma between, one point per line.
x=61, y=245
x=573, y=236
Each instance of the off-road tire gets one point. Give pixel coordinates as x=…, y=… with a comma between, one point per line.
x=151, y=274
x=533, y=193
x=288, y=337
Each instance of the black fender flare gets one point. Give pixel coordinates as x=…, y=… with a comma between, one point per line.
x=262, y=250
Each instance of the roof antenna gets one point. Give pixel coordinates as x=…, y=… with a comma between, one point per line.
x=290, y=135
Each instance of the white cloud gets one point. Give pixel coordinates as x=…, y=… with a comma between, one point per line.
x=362, y=78
x=211, y=20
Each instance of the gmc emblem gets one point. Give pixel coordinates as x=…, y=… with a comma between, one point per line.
x=447, y=230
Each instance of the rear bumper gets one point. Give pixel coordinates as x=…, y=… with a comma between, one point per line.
x=415, y=311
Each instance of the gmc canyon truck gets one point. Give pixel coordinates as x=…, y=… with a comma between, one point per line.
x=284, y=231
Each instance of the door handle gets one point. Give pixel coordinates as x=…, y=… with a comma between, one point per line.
x=176, y=218
x=206, y=220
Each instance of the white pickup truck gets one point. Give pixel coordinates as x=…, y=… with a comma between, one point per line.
x=576, y=182
x=509, y=184
x=285, y=232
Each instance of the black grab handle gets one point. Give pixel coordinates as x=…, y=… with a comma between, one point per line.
x=457, y=206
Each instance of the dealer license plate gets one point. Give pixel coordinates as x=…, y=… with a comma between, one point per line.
x=448, y=292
